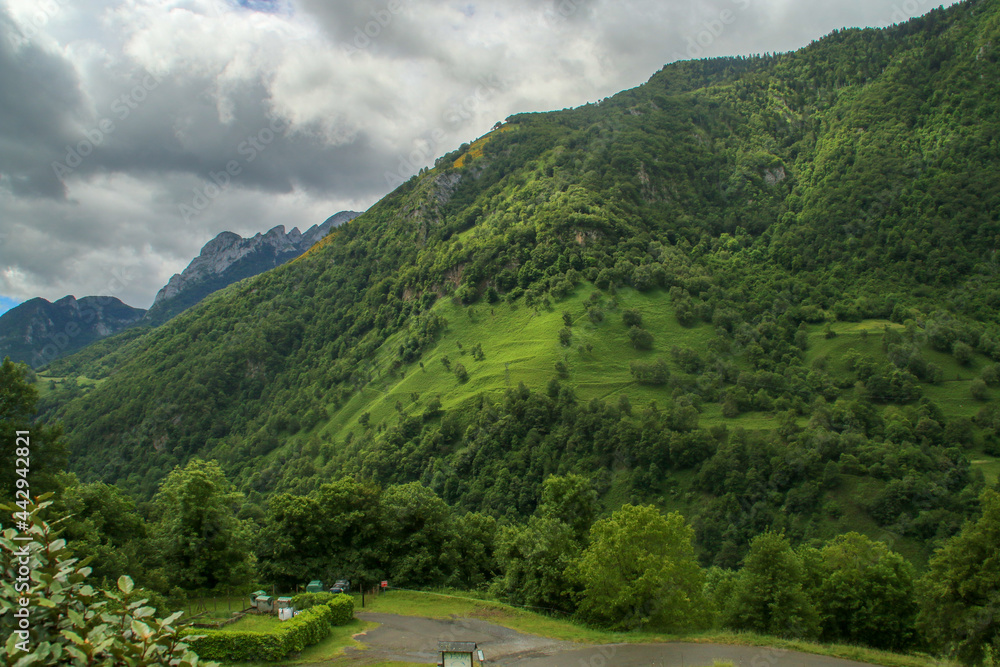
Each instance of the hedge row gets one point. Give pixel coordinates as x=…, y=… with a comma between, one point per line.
x=307, y=600
x=319, y=612
x=304, y=629
x=341, y=604
x=342, y=607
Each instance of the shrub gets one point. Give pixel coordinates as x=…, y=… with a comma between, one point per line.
x=631, y=317
x=641, y=339
x=962, y=352
x=342, y=607
x=978, y=390
x=687, y=359
x=655, y=372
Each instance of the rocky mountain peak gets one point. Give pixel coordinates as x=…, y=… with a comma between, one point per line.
x=230, y=257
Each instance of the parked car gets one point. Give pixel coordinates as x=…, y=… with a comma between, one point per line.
x=342, y=586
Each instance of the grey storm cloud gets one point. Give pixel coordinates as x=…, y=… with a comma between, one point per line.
x=39, y=96
x=133, y=132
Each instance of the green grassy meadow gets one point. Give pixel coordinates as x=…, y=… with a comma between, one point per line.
x=521, y=344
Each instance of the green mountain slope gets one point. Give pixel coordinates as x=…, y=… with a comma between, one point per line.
x=809, y=240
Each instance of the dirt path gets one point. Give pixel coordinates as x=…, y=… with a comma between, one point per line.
x=415, y=639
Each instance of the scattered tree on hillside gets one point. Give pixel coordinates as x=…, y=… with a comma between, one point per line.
x=640, y=338
x=631, y=317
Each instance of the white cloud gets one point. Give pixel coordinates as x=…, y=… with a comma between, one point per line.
x=362, y=86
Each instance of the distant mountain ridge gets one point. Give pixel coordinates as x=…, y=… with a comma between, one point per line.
x=38, y=332
x=229, y=258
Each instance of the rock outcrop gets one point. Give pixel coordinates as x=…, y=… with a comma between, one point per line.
x=229, y=257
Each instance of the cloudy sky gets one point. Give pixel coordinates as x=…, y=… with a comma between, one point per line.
x=134, y=131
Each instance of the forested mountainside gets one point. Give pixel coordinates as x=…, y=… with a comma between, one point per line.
x=762, y=291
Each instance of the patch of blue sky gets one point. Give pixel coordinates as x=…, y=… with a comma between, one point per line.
x=7, y=303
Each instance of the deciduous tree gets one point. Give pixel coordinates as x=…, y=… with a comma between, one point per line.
x=960, y=594
x=768, y=595
x=863, y=591
x=202, y=542
x=640, y=570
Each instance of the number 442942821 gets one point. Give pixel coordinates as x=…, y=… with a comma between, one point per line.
x=23, y=452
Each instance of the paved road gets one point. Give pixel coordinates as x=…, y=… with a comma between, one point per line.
x=414, y=639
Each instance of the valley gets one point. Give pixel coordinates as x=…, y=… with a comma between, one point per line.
x=718, y=355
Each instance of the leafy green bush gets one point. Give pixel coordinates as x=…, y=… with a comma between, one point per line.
x=640, y=338
x=342, y=607
x=304, y=629
x=240, y=646
x=655, y=372
x=631, y=317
